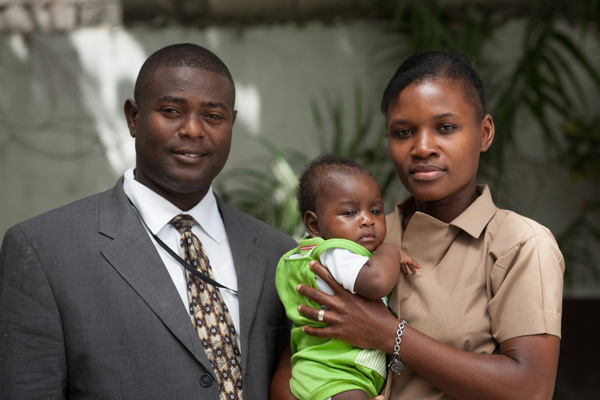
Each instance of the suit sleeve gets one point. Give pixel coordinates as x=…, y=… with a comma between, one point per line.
x=32, y=346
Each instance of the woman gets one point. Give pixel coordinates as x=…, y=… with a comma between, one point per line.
x=481, y=319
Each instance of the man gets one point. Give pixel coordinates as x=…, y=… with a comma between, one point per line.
x=91, y=305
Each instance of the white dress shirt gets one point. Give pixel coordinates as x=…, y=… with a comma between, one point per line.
x=158, y=211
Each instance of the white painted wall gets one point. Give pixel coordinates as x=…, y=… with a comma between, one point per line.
x=63, y=135
x=62, y=130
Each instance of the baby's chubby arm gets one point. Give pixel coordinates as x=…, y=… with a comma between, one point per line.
x=379, y=275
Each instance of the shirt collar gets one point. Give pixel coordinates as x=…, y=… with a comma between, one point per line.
x=473, y=220
x=476, y=217
x=431, y=238
x=158, y=211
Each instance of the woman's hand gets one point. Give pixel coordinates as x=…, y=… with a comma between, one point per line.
x=361, y=322
x=525, y=367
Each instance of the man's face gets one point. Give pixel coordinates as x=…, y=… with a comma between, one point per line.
x=182, y=126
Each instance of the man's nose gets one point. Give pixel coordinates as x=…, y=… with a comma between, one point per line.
x=192, y=127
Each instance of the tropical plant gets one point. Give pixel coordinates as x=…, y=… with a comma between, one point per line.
x=270, y=194
x=267, y=194
x=364, y=140
x=546, y=83
x=580, y=240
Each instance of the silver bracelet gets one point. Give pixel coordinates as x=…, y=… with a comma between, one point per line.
x=396, y=365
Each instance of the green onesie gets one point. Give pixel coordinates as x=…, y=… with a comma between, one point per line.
x=323, y=367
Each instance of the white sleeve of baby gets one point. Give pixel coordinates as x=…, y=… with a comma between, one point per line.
x=344, y=266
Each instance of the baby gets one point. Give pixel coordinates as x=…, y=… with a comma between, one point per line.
x=342, y=209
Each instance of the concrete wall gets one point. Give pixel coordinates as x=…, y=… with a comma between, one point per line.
x=62, y=130
x=63, y=135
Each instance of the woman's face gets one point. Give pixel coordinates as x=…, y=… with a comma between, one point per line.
x=435, y=140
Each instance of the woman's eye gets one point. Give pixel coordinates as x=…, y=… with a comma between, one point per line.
x=403, y=132
x=446, y=128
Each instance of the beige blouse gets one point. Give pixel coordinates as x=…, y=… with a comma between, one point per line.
x=488, y=276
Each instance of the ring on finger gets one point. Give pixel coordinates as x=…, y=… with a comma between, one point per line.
x=320, y=315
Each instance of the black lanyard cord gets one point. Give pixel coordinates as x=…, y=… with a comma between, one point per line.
x=180, y=260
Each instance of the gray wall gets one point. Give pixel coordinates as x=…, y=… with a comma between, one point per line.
x=62, y=130
x=63, y=135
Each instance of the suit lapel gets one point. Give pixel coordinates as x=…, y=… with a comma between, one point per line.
x=250, y=267
x=135, y=258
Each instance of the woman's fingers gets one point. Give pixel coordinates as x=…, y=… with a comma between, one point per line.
x=324, y=273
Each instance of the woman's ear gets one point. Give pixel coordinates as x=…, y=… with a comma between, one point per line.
x=487, y=132
x=311, y=223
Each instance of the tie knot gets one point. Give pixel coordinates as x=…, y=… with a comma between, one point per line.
x=183, y=222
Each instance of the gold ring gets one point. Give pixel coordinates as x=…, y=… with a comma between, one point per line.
x=320, y=315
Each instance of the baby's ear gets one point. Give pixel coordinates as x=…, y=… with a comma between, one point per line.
x=311, y=223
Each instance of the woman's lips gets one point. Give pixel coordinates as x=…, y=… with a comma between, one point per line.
x=426, y=172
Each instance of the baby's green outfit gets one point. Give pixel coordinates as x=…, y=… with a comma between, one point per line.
x=323, y=367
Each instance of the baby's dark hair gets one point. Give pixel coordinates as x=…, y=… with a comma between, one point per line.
x=180, y=55
x=437, y=64
x=310, y=180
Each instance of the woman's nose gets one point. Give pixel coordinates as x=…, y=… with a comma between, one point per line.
x=424, y=144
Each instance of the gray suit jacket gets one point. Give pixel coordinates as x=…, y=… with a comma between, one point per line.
x=88, y=310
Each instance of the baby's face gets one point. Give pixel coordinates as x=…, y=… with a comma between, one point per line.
x=350, y=207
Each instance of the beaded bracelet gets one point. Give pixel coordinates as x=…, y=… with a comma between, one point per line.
x=396, y=365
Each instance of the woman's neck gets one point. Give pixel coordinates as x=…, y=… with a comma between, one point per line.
x=446, y=210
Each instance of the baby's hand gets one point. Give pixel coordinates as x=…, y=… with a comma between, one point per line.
x=407, y=263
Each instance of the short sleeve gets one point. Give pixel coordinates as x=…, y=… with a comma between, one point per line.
x=344, y=266
x=527, y=283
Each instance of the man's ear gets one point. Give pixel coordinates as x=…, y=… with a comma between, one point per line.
x=311, y=223
x=487, y=132
x=131, y=110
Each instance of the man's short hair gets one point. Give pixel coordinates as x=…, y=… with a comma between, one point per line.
x=180, y=55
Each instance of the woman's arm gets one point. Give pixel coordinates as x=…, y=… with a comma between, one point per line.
x=525, y=368
x=280, y=383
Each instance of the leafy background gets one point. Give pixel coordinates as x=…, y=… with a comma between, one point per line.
x=547, y=81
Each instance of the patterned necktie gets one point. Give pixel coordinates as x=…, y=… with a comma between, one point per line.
x=210, y=314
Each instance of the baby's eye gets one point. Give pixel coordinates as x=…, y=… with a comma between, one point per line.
x=376, y=211
x=350, y=213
